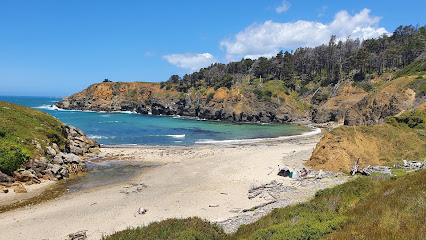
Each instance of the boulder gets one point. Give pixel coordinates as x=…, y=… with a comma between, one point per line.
x=55, y=169
x=55, y=146
x=19, y=188
x=76, y=150
x=5, y=178
x=24, y=175
x=71, y=158
x=50, y=152
x=78, y=142
x=58, y=160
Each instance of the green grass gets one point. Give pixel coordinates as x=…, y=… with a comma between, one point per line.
x=19, y=126
x=364, y=208
x=415, y=67
x=395, y=210
x=189, y=228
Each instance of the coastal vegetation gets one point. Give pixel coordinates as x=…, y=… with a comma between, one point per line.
x=308, y=68
x=364, y=208
x=19, y=128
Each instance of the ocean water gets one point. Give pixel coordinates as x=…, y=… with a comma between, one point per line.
x=128, y=128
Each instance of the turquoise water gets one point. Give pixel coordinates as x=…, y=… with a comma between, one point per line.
x=136, y=129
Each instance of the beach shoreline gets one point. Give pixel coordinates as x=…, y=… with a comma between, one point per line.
x=208, y=181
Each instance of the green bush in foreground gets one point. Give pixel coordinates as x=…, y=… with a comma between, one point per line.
x=11, y=157
x=189, y=228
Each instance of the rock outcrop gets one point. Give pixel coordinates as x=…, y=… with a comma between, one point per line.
x=79, y=144
x=56, y=164
x=220, y=104
x=394, y=98
x=343, y=97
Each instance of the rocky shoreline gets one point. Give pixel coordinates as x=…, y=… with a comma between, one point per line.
x=227, y=106
x=56, y=164
x=345, y=103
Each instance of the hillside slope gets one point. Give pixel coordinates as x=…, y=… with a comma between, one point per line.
x=400, y=138
x=34, y=144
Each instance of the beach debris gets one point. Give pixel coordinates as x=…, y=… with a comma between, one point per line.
x=355, y=167
x=134, y=188
x=213, y=205
x=80, y=235
x=411, y=164
x=259, y=206
x=320, y=174
x=272, y=189
x=377, y=169
x=142, y=210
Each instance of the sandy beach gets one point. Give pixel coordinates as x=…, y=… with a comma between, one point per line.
x=211, y=182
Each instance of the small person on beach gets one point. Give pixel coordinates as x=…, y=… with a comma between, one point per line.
x=303, y=172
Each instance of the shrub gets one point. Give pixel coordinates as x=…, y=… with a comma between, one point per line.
x=258, y=93
x=11, y=157
x=210, y=96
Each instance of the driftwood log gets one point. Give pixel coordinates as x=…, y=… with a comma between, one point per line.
x=355, y=167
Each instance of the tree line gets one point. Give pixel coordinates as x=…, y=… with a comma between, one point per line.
x=325, y=64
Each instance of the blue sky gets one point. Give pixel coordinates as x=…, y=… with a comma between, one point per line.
x=57, y=48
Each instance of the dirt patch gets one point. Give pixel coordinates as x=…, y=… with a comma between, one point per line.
x=373, y=145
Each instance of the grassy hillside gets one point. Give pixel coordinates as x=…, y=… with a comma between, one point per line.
x=402, y=137
x=19, y=126
x=365, y=208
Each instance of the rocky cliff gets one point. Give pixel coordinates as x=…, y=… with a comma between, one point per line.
x=342, y=97
x=392, y=98
x=54, y=163
x=36, y=146
x=221, y=104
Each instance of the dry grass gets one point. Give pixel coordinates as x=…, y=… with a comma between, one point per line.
x=374, y=145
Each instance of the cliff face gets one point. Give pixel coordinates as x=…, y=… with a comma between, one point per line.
x=343, y=97
x=392, y=98
x=220, y=104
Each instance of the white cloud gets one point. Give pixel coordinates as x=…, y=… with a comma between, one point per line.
x=190, y=60
x=283, y=7
x=266, y=39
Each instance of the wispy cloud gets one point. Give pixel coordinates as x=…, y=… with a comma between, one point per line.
x=266, y=39
x=321, y=11
x=149, y=54
x=191, y=61
x=283, y=7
